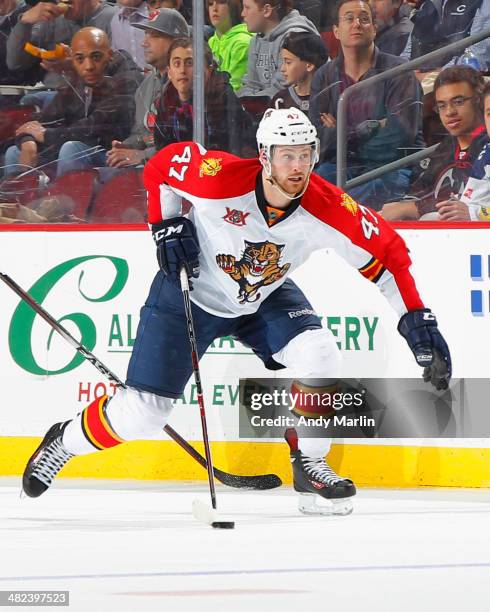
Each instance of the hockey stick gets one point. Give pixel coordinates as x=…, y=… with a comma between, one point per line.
x=261, y=482
x=201, y=512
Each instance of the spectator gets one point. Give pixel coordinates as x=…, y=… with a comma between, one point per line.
x=271, y=22
x=10, y=10
x=129, y=13
x=231, y=39
x=227, y=126
x=438, y=24
x=302, y=54
x=159, y=33
x=393, y=26
x=46, y=24
x=457, y=100
x=81, y=119
x=381, y=120
x=474, y=204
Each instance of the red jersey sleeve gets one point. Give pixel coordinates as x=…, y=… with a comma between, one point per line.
x=186, y=169
x=380, y=252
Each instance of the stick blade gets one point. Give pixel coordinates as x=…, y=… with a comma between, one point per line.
x=253, y=483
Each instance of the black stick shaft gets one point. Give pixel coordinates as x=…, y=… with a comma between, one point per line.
x=184, y=282
x=261, y=482
x=103, y=369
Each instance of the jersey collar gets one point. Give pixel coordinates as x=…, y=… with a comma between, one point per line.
x=262, y=203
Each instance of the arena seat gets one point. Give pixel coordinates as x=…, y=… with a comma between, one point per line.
x=122, y=199
x=74, y=192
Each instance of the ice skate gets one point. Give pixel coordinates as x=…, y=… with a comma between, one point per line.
x=48, y=459
x=321, y=490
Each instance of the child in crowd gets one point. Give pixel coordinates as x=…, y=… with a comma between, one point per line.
x=301, y=55
x=231, y=39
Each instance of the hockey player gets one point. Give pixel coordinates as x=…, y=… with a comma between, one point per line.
x=252, y=222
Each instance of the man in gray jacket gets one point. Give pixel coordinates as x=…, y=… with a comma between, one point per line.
x=159, y=32
x=270, y=23
x=46, y=24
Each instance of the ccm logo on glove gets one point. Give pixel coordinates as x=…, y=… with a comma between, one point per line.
x=166, y=232
x=177, y=247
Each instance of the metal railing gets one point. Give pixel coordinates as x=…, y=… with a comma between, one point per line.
x=453, y=48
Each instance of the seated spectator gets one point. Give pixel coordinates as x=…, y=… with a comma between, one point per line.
x=438, y=24
x=123, y=36
x=231, y=39
x=270, y=22
x=10, y=10
x=457, y=100
x=393, y=26
x=227, y=125
x=381, y=120
x=302, y=54
x=79, y=123
x=46, y=24
x=474, y=204
x=159, y=33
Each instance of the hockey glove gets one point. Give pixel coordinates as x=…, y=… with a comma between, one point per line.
x=177, y=246
x=419, y=328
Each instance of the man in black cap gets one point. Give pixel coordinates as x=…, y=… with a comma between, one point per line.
x=159, y=32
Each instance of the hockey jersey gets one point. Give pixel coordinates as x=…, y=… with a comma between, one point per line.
x=477, y=190
x=243, y=257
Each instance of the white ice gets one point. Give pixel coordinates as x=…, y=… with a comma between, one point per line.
x=121, y=547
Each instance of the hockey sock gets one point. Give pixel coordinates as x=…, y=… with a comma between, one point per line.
x=108, y=422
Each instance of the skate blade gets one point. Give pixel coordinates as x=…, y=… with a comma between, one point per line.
x=314, y=505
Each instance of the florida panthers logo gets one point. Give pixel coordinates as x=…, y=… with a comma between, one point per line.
x=258, y=267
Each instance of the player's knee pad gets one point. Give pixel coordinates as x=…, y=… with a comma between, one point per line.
x=312, y=354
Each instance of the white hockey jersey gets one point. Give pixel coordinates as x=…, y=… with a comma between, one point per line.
x=477, y=190
x=244, y=258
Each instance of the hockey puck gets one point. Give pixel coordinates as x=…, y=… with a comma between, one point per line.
x=223, y=525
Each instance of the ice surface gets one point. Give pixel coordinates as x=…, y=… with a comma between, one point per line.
x=129, y=546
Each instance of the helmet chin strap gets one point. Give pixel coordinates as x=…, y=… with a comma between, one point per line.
x=272, y=181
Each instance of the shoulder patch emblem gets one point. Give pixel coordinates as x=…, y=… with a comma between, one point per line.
x=347, y=202
x=210, y=167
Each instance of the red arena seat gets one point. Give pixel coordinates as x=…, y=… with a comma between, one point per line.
x=122, y=199
x=12, y=118
x=73, y=192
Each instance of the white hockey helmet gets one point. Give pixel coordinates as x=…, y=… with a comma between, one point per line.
x=285, y=126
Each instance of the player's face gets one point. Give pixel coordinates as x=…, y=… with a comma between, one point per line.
x=293, y=69
x=291, y=167
x=486, y=113
x=219, y=15
x=253, y=16
x=155, y=48
x=180, y=71
x=355, y=28
x=454, y=103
